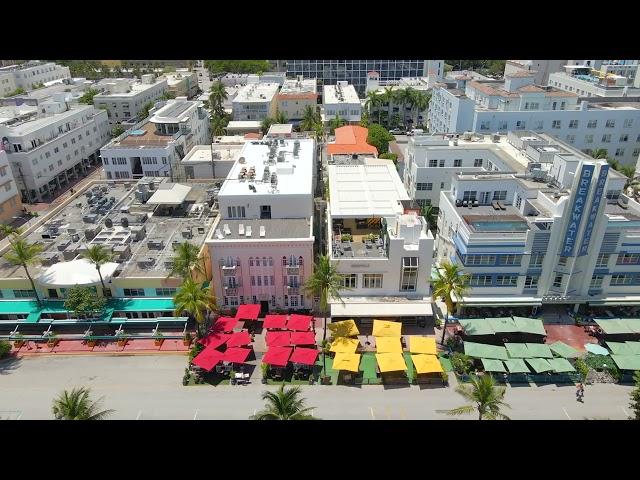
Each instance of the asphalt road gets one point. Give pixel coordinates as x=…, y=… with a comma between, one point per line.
x=149, y=387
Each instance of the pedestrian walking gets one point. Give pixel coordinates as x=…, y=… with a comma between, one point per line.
x=580, y=392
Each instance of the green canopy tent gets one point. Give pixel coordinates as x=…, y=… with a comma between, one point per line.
x=502, y=325
x=561, y=365
x=517, y=365
x=539, y=350
x=633, y=324
x=481, y=350
x=564, y=350
x=613, y=326
x=627, y=362
x=491, y=365
x=476, y=326
x=517, y=350
x=634, y=347
x=620, y=348
x=539, y=365
x=530, y=325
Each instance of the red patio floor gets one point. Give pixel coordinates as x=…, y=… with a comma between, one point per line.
x=570, y=334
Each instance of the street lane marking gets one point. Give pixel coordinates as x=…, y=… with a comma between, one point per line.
x=195, y=417
x=139, y=414
x=565, y=412
x=623, y=409
x=372, y=415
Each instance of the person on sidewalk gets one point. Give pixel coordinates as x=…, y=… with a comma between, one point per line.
x=580, y=392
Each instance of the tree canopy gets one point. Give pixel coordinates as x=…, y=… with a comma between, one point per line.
x=379, y=137
x=88, y=96
x=219, y=67
x=84, y=302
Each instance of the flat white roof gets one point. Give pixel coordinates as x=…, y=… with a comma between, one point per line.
x=203, y=153
x=135, y=88
x=294, y=175
x=370, y=190
x=174, y=111
x=235, y=124
x=280, y=129
x=76, y=272
x=257, y=93
x=169, y=194
x=35, y=124
x=331, y=94
x=306, y=85
x=381, y=307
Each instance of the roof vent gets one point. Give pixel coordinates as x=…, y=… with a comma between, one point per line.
x=219, y=234
x=262, y=231
x=248, y=231
x=227, y=230
x=241, y=229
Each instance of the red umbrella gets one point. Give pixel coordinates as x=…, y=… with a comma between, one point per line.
x=278, y=339
x=214, y=339
x=303, y=338
x=236, y=355
x=208, y=358
x=238, y=339
x=224, y=324
x=305, y=356
x=299, y=322
x=275, y=321
x=278, y=356
x=248, y=312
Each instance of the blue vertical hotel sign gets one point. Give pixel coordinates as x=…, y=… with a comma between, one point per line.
x=577, y=210
x=593, y=211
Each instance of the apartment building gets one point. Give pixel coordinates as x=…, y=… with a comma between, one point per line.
x=50, y=144
x=155, y=147
x=10, y=204
x=255, y=101
x=563, y=232
x=541, y=69
x=341, y=100
x=7, y=83
x=211, y=161
x=261, y=244
x=72, y=88
x=588, y=82
x=182, y=83
x=31, y=75
x=517, y=104
x=295, y=95
x=123, y=98
x=379, y=243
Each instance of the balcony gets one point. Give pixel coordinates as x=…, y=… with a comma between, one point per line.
x=230, y=291
x=358, y=238
x=292, y=290
x=293, y=269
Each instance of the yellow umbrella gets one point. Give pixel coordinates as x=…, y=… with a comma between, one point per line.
x=344, y=345
x=422, y=345
x=345, y=328
x=347, y=361
x=391, y=362
x=383, y=328
x=426, y=363
x=388, y=345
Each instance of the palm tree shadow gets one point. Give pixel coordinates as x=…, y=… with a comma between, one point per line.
x=8, y=365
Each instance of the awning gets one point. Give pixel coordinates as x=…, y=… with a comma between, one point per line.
x=248, y=312
x=627, y=362
x=236, y=355
x=517, y=350
x=169, y=194
x=538, y=350
x=492, y=301
x=345, y=328
x=278, y=339
x=481, y=350
x=388, y=345
x=344, y=345
x=491, y=365
x=224, y=324
x=208, y=358
x=426, y=345
x=346, y=361
x=299, y=322
x=564, y=350
x=383, y=328
x=238, y=339
x=76, y=272
x=142, y=304
x=391, y=362
x=214, y=339
x=370, y=308
x=539, y=365
x=426, y=363
x=277, y=356
x=516, y=365
x=18, y=306
x=303, y=338
x=561, y=365
x=596, y=349
x=275, y=321
x=305, y=356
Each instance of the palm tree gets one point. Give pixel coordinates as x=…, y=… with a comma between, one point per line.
x=6, y=230
x=266, y=124
x=486, y=397
x=388, y=96
x=407, y=96
x=309, y=119
x=337, y=122
x=374, y=100
x=218, y=126
x=325, y=282
x=429, y=214
x=195, y=300
x=98, y=255
x=187, y=260
x=217, y=97
x=600, y=153
x=421, y=102
x=284, y=405
x=76, y=405
x=449, y=280
x=280, y=117
x=23, y=253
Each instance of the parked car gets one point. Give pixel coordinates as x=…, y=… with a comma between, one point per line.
x=397, y=131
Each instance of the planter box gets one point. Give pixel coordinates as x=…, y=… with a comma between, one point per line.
x=91, y=343
x=18, y=343
x=186, y=342
x=52, y=343
x=158, y=342
x=122, y=342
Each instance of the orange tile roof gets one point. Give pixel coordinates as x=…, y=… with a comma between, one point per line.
x=297, y=96
x=351, y=139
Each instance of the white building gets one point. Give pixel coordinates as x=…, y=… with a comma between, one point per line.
x=7, y=83
x=261, y=244
x=31, y=75
x=517, y=104
x=10, y=204
x=211, y=161
x=255, y=101
x=540, y=68
x=561, y=233
x=52, y=143
x=182, y=83
x=341, y=100
x=123, y=99
x=588, y=82
x=154, y=148
x=379, y=242
x=295, y=95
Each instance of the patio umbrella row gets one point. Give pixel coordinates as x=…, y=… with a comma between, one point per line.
x=295, y=322
x=284, y=339
x=417, y=344
x=388, y=362
x=279, y=356
x=210, y=357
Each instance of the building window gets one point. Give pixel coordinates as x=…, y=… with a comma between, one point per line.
x=480, y=260
x=372, y=280
x=423, y=186
x=480, y=280
x=557, y=281
x=24, y=293
x=531, y=281
x=500, y=195
x=165, y=292
x=592, y=124
x=253, y=281
x=433, y=163
x=610, y=123
x=619, y=152
x=469, y=195
x=477, y=162
x=562, y=261
x=606, y=138
x=409, y=279
x=441, y=163
x=596, y=281
x=621, y=280
x=506, y=280
x=555, y=124
x=510, y=259
x=518, y=201
x=613, y=195
x=134, y=292
x=624, y=137
x=628, y=259
x=588, y=138
x=571, y=139
x=628, y=122
x=233, y=301
x=573, y=123
x=350, y=280
x=457, y=162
